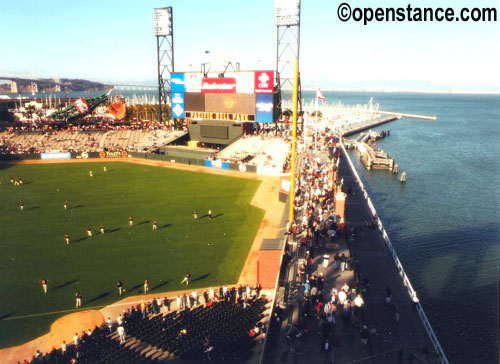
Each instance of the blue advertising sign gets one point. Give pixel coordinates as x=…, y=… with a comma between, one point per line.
x=178, y=105
x=264, y=108
x=177, y=82
x=216, y=164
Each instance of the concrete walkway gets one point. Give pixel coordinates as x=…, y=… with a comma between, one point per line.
x=390, y=341
x=374, y=263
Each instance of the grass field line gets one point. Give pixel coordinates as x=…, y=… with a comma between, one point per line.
x=129, y=303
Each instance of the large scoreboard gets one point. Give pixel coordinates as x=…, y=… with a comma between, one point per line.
x=245, y=96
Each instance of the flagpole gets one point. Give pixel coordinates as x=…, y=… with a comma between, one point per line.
x=294, y=137
x=316, y=121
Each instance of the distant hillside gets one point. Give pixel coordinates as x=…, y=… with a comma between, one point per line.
x=66, y=84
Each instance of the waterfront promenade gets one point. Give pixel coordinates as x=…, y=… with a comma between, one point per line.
x=407, y=337
x=374, y=272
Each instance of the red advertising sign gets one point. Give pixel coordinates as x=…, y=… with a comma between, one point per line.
x=264, y=82
x=81, y=106
x=218, y=85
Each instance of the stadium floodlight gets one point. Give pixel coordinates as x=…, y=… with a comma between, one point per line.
x=287, y=52
x=163, y=21
x=287, y=12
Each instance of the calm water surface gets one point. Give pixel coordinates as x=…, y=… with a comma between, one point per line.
x=444, y=222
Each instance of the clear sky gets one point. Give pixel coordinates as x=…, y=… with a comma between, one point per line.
x=114, y=41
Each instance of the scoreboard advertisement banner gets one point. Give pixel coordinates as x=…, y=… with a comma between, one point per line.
x=240, y=96
x=178, y=105
x=218, y=85
x=245, y=82
x=264, y=108
x=177, y=80
x=264, y=82
x=192, y=80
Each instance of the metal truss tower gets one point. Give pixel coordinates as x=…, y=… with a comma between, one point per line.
x=287, y=51
x=164, y=31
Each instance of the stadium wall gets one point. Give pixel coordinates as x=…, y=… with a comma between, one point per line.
x=185, y=158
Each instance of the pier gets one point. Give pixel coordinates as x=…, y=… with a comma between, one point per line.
x=373, y=121
x=399, y=115
x=351, y=129
x=373, y=159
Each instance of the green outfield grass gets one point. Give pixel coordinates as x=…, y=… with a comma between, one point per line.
x=32, y=241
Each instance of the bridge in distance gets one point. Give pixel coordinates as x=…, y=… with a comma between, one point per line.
x=15, y=81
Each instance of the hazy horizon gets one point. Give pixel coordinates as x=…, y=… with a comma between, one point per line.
x=114, y=42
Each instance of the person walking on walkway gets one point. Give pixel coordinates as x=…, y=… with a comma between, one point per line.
x=343, y=261
x=336, y=261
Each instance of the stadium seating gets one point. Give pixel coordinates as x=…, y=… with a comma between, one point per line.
x=223, y=326
x=132, y=140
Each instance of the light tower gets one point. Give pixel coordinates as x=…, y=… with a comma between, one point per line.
x=164, y=32
x=287, y=51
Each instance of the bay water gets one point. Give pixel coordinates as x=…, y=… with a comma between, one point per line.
x=444, y=221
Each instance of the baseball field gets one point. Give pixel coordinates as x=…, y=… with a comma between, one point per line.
x=33, y=246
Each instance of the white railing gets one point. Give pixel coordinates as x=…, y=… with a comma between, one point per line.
x=402, y=274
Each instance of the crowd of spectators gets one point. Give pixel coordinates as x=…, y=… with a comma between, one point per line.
x=315, y=228
x=217, y=324
x=87, y=138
